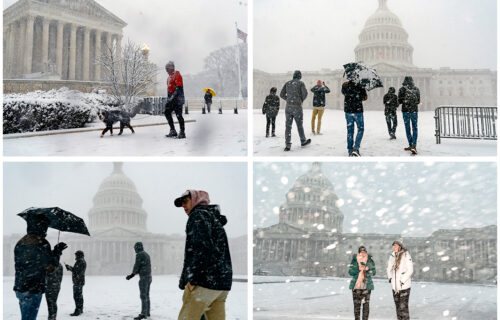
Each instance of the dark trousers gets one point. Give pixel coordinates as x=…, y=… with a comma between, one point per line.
x=392, y=122
x=144, y=285
x=172, y=107
x=108, y=128
x=357, y=297
x=294, y=113
x=78, y=296
x=209, y=104
x=401, y=300
x=123, y=125
x=270, y=121
x=51, y=297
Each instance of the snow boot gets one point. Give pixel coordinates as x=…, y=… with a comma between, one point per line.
x=172, y=134
x=287, y=149
x=273, y=135
x=355, y=153
x=181, y=135
x=308, y=141
x=140, y=316
x=76, y=313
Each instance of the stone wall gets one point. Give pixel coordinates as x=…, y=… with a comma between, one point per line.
x=24, y=86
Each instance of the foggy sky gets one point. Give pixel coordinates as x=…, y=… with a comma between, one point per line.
x=72, y=186
x=412, y=199
x=316, y=34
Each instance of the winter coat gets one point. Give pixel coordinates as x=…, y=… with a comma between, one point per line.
x=390, y=102
x=78, y=271
x=142, y=265
x=207, y=262
x=354, y=272
x=401, y=278
x=33, y=258
x=409, y=96
x=271, y=106
x=319, y=95
x=175, y=89
x=208, y=97
x=294, y=91
x=54, y=279
x=354, y=94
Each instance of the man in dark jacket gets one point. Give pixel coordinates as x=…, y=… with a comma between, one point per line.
x=175, y=100
x=33, y=260
x=78, y=277
x=208, y=100
x=142, y=267
x=354, y=95
x=409, y=98
x=319, y=103
x=54, y=280
x=207, y=274
x=391, y=104
x=294, y=93
x=271, y=108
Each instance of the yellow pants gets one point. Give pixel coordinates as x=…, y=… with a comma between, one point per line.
x=211, y=303
x=317, y=111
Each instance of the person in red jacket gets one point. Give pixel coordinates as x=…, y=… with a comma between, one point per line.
x=175, y=100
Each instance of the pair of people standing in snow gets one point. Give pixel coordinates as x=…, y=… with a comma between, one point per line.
x=399, y=272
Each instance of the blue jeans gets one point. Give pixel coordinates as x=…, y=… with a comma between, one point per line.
x=411, y=118
x=352, y=118
x=29, y=304
x=392, y=122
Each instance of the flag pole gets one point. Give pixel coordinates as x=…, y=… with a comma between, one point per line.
x=238, y=62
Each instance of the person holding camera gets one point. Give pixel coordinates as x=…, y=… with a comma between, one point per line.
x=362, y=269
x=142, y=267
x=78, y=277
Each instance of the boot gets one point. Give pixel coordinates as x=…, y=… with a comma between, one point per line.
x=355, y=153
x=273, y=135
x=287, y=148
x=308, y=141
x=413, y=149
x=267, y=134
x=76, y=313
x=172, y=134
x=181, y=135
x=140, y=316
x=407, y=148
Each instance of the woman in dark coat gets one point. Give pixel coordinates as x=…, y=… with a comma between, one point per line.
x=271, y=108
x=391, y=105
x=361, y=268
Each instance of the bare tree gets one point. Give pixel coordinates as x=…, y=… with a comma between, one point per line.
x=128, y=74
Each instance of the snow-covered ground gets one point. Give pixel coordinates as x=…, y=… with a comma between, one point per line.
x=114, y=298
x=332, y=141
x=210, y=135
x=330, y=298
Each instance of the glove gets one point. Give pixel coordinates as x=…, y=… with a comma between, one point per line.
x=58, y=248
x=67, y=267
x=390, y=280
x=130, y=276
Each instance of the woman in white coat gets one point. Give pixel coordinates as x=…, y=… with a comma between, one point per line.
x=399, y=272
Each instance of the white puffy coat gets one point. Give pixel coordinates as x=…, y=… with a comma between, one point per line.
x=401, y=278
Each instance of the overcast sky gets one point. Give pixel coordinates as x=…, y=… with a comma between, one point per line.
x=412, y=199
x=316, y=34
x=72, y=186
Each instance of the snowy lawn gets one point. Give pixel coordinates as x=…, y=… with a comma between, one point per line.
x=330, y=298
x=211, y=135
x=332, y=141
x=111, y=297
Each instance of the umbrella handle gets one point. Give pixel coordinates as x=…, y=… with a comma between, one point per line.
x=58, y=236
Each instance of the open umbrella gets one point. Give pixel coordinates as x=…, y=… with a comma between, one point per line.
x=212, y=92
x=362, y=74
x=58, y=218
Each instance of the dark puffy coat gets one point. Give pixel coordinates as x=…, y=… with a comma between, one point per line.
x=390, y=102
x=319, y=95
x=33, y=259
x=208, y=97
x=354, y=272
x=271, y=106
x=294, y=92
x=354, y=95
x=142, y=265
x=78, y=271
x=207, y=261
x=409, y=96
x=54, y=279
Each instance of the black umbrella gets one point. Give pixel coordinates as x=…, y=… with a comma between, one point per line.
x=362, y=74
x=58, y=218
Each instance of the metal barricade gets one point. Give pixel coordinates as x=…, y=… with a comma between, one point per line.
x=465, y=122
x=195, y=104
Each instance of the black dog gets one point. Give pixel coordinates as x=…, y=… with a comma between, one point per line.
x=109, y=117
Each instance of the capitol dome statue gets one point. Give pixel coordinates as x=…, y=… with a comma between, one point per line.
x=384, y=39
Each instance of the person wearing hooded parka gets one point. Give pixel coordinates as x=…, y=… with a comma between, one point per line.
x=399, y=272
x=362, y=269
x=409, y=98
x=391, y=105
x=142, y=267
x=207, y=273
x=78, y=277
x=271, y=108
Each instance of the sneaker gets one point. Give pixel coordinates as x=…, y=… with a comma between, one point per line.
x=308, y=141
x=314, y=133
x=273, y=135
x=355, y=153
x=171, y=134
x=287, y=149
x=181, y=135
x=140, y=316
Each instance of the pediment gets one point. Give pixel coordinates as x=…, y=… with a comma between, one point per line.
x=282, y=228
x=117, y=232
x=88, y=7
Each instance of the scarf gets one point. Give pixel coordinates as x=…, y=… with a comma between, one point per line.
x=362, y=273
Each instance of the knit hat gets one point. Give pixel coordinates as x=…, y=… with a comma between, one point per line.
x=170, y=64
x=399, y=242
x=361, y=249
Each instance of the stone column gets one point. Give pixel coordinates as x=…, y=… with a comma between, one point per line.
x=59, y=47
x=45, y=44
x=72, y=52
x=86, y=53
x=28, y=44
x=97, y=70
x=119, y=54
x=10, y=50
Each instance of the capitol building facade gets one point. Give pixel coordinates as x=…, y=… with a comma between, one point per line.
x=309, y=241
x=116, y=222
x=383, y=45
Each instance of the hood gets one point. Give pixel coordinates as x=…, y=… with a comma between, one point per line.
x=138, y=247
x=392, y=90
x=199, y=197
x=79, y=254
x=297, y=75
x=37, y=225
x=408, y=82
x=214, y=210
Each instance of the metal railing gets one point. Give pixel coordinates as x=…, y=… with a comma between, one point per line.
x=465, y=122
x=158, y=104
